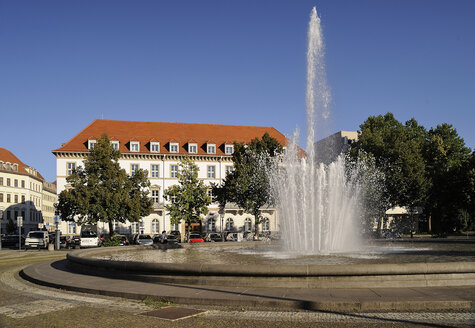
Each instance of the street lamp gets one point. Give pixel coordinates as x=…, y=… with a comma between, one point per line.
x=57, y=220
x=1, y=219
x=19, y=224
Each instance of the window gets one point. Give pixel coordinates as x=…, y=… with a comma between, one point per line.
x=70, y=168
x=142, y=227
x=154, y=170
x=192, y=148
x=8, y=182
x=16, y=183
x=135, y=146
x=134, y=227
x=115, y=145
x=1, y=199
x=211, y=149
x=155, y=195
x=155, y=147
x=23, y=199
x=173, y=147
x=1, y=181
x=229, y=224
x=23, y=183
x=265, y=225
x=133, y=168
x=247, y=224
x=155, y=227
x=173, y=171
x=229, y=149
x=71, y=228
x=229, y=169
x=9, y=198
x=91, y=144
x=211, y=172
x=16, y=199
x=211, y=225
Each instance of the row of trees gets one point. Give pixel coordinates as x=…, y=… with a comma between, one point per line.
x=431, y=169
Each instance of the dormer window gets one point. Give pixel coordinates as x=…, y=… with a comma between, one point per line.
x=155, y=147
x=115, y=144
x=192, y=148
x=211, y=148
x=15, y=167
x=135, y=146
x=91, y=143
x=228, y=149
x=173, y=147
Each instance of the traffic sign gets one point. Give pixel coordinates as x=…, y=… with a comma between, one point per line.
x=20, y=221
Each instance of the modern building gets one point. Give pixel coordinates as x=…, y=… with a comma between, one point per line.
x=24, y=192
x=329, y=148
x=158, y=148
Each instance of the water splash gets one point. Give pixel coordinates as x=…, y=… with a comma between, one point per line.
x=318, y=204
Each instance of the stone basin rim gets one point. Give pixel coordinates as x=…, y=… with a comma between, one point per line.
x=83, y=257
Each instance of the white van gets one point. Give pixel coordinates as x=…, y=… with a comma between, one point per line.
x=89, y=238
x=37, y=239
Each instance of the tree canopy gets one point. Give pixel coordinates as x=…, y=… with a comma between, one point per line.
x=248, y=184
x=189, y=199
x=101, y=191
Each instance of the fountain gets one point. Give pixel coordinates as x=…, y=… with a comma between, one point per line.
x=317, y=203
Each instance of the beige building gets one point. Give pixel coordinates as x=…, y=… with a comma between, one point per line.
x=24, y=192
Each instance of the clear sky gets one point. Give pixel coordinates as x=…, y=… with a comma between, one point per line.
x=65, y=63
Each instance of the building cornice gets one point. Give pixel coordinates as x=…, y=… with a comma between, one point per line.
x=150, y=156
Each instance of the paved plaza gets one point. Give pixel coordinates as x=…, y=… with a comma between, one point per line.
x=23, y=304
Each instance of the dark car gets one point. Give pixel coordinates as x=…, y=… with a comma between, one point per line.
x=177, y=235
x=65, y=242
x=213, y=237
x=75, y=241
x=12, y=241
x=123, y=240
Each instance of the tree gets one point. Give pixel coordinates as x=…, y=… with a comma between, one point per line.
x=448, y=167
x=103, y=192
x=248, y=185
x=397, y=151
x=189, y=199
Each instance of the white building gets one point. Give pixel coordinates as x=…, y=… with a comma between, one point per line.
x=158, y=147
x=24, y=192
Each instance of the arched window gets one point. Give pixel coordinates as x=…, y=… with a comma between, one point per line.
x=229, y=224
x=247, y=225
x=155, y=227
x=265, y=224
x=211, y=225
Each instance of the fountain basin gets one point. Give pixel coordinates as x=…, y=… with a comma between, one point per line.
x=422, y=274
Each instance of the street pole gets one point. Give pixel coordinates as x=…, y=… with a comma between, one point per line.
x=56, y=236
x=20, y=224
x=1, y=219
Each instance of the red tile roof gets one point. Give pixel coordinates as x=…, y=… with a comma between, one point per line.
x=126, y=131
x=8, y=156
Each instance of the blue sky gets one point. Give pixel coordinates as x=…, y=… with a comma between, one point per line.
x=65, y=63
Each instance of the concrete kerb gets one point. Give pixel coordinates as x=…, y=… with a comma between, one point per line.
x=282, y=276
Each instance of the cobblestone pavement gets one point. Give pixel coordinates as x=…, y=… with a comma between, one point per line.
x=21, y=299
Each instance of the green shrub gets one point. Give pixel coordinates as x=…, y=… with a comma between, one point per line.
x=113, y=241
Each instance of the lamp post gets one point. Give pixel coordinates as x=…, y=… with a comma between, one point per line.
x=19, y=224
x=57, y=220
x=1, y=219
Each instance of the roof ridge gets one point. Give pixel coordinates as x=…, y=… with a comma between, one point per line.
x=185, y=123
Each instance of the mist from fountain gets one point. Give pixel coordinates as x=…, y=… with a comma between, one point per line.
x=318, y=204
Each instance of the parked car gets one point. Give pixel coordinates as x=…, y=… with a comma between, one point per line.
x=12, y=241
x=213, y=237
x=234, y=236
x=171, y=239
x=123, y=240
x=75, y=241
x=195, y=238
x=65, y=242
x=37, y=240
x=177, y=235
x=145, y=240
x=89, y=238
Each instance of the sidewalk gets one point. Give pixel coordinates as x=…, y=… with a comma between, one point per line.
x=56, y=274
